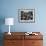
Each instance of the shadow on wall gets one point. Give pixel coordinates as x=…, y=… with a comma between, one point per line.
x=2, y=21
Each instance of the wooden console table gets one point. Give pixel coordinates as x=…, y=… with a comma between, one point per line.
x=20, y=39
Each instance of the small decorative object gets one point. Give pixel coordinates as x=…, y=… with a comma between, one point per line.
x=26, y=34
x=30, y=33
x=26, y=15
x=9, y=21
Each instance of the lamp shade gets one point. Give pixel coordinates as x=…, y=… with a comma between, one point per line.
x=9, y=21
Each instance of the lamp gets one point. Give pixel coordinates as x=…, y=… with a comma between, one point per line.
x=9, y=21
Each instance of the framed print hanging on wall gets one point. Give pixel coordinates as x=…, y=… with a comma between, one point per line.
x=26, y=15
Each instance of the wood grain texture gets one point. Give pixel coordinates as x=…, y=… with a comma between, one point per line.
x=20, y=39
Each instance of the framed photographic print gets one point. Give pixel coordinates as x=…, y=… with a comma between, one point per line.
x=26, y=15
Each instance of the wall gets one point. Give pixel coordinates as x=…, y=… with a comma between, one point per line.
x=9, y=8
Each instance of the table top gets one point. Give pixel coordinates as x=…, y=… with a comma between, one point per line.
x=22, y=35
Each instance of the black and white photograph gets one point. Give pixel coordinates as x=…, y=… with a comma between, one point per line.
x=26, y=15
